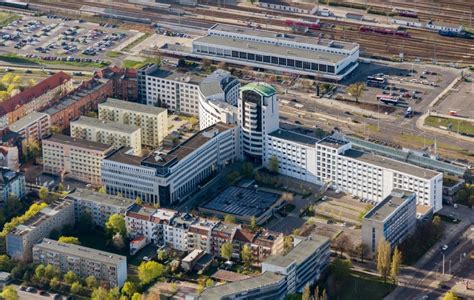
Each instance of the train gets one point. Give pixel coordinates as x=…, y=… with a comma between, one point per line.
x=384, y=31
x=15, y=4
x=462, y=34
x=405, y=13
x=303, y=23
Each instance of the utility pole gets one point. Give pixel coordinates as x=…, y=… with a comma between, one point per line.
x=443, y=263
x=449, y=266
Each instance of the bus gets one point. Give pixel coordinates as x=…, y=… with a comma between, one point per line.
x=386, y=99
x=373, y=81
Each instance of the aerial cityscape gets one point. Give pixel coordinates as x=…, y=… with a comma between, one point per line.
x=236, y=149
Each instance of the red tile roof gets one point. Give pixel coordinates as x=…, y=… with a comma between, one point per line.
x=244, y=236
x=33, y=92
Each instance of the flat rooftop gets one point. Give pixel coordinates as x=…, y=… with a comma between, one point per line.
x=100, y=198
x=132, y=106
x=294, y=137
x=299, y=253
x=27, y=120
x=75, y=142
x=387, y=206
x=105, y=125
x=286, y=37
x=331, y=142
x=388, y=163
x=232, y=288
x=173, y=74
x=81, y=251
x=124, y=156
x=280, y=50
x=240, y=201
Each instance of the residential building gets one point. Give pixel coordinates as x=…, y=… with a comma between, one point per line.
x=79, y=102
x=167, y=177
x=392, y=220
x=12, y=183
x=74, y=158
x=222, y=233
x=266, y=243
x=218, y=97
x=9, y=157
x=98, y=205
x=153, y=121
x=167, y=87
x=106, y=267
x=32, y=126
x=21, y=239
x=282, y=52
x=191, y=259
x=199, y=234
x=34, y=98
x=125, y=84
x=258, y=116
x=177, y=234
x=106, y=132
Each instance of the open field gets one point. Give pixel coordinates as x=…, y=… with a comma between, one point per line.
x=454, y=125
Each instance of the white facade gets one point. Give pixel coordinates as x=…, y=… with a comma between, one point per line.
x=34, y=125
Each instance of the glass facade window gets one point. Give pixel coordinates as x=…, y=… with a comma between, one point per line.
x=258, y=58
x=290, y=62
x=282, y=61
x=266, y=59
x=299, y=64
x=330, y=69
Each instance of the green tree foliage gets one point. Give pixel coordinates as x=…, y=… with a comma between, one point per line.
x=450, y=296
x=9, y=293
x=395, y=265
x=138, y=201
x=91, y=282
x=129, y=288
x=136, y=296
x=100, y=293
x=51, y=271
x=247, y=169
x=39, y=271
x=116, y=224
x=209, y=283
x=383, y=258
x=70, y=277
x=43, y=193
x=253, y=224
x=287, y=244
x=149, y=271
x=230, y=219
x=76, y=287
x=55, y=283
x=6, y=264
x=161, y=255
x=356, y=90
x=69, y=240
x=273, y=164
x=246, y=255
x=226, y=250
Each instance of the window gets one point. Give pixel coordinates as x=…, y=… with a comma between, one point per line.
x=235, y=54
x=322, y=68
x=299, y=64
x=314, y=66
x=251, y=56
x=259, y=57
x=266, y=59
x=274, y=60
x=306, y=65
x=282, y=61
x=331, y=69
x=290, y=62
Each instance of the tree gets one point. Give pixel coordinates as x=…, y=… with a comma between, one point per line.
x=383, y=258
x=43, y=193
x=247, y=169
x=230, y=219
x=161, y=255
x=209, y=283
x=450, y=296
x=53, y=129
x=9, y=293
x=99, y=293
x=136, y=296
x=103, y=190
x=356, y=90
x=316, y=293
x=70, y=277
x=395, y=265
x=361, y=250
x=6, y=264
x=138, y=201
x=76, y=287
x=31, y=82
x=437, y=221
x=306, y=293
x=246, y=255
x=206, y=63
x=324, y=295
x=226, y=250
x=129, y=288
x=116, y=224
x=341, y=269
x=114, y=293
x=342, y=243
x=91, y=281
x=173, y=288
x=253, y=224
x=69, y=240
x=51, y=271
x=118, y=241
x=55, y=283
x=273, y=164
x=149, y=271
x=39, y=271
x=287, y=244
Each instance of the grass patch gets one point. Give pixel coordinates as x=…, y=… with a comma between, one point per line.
x=364, y=286
x=136, y=42
x=114, y=54
x=421, y=141
x=7, y=18
x=448, y=219
x=17, y=59
x=453, y=125
x=136, y=64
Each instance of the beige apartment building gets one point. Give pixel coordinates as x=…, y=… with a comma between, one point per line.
x=153, y=121
x=74, y=158
x=107, y=132
x=106, y=267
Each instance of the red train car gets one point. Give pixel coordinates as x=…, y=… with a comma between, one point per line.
x=309, y=24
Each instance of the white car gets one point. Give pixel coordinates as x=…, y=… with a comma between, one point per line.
x=444, y=248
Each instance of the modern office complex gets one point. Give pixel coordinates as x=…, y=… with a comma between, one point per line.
x=104, y=266
x=98, y=205
x=392, y=220
x=107, y=132
x=218, y=96
x=74, y=158
x=258, y=116
x=12, y=183
x=280, y=52
x=55, y=216
x=167, y=178
x=153, y=121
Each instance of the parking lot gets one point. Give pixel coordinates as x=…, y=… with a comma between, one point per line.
x=57, y=38
x=459, y=100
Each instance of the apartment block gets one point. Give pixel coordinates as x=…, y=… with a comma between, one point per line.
x=32, y=126
x=98, y=205
x=55, y=216
x=222, y=233
x=150, y=222
x=392, y=220
x=153, y=121
x=12, y=183
x=199, y=234
x=74, y=158
x=107, y=132
x=262, y=243
x=106, y=267
x=125, y=85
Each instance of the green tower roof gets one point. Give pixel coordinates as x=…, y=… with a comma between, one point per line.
x=260, y=87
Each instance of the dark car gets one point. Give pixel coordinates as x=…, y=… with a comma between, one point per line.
x=298, y=122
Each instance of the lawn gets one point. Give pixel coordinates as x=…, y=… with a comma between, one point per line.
x=136, y=42
x=7, y=18
x=135, y=64
x=365, y=287
x=421, y=141
x=465, y=127
x=17, y=59
x=114, y=54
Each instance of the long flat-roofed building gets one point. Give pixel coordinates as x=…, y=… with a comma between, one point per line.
x=106, y=132
x=104, y=266
x=278, y=51
x=153, y=121
x=74, y=158
x=393, y=220
x=35, y=126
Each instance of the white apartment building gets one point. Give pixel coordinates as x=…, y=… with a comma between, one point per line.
x=107, y=132
x=177, y=232
x=74, y=158
x=166, y=87
x=168, y=177
x=218, y=97
x=199, y=234
x=258, y=116
x=12, y=183
x=153, y=121
x=149, y=222
x=32, y=126
x=98, y=205
x=55, y=216
x=104, y=266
